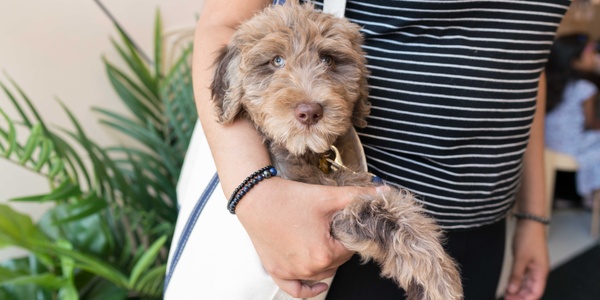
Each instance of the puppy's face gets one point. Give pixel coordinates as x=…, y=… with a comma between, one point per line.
x=298, y=74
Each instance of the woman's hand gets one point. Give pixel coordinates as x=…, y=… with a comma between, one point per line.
x=531, y=262
x=530, y=249
x=288, y=222
x=289, y=225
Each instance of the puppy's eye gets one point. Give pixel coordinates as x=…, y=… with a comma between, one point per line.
x=278, y=61
x=327, y=60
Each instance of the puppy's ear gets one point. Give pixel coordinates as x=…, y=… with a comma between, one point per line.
x=362, y=107
x=225, y=87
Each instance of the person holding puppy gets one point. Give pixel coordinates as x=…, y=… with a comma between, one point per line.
x=457, y=118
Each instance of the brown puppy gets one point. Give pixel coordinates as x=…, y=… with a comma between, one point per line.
x=300, y=76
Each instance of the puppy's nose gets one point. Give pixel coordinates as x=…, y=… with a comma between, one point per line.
x=308, y=113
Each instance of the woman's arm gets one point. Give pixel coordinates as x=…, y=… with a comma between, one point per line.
x=216, y=25
x=288, y=222
x=530, y=250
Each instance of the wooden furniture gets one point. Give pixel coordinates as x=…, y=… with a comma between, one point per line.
x=556, y=161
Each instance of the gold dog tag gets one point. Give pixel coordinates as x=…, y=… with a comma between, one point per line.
x=324, y=164
x=331, y=161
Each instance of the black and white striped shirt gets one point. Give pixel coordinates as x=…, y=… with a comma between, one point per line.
x=453, y=87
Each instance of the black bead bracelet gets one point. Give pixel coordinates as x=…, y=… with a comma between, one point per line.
x=528, y=216
x=247, y=184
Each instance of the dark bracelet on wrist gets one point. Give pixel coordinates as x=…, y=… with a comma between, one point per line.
x=247, y=184
x=528, y=216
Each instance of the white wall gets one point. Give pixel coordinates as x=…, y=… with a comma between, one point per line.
x=53, y=49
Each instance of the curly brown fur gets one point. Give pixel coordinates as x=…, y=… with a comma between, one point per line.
x=393, y=231
x=300, y=76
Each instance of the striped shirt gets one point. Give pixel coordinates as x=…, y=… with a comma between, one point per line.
x=453, y=89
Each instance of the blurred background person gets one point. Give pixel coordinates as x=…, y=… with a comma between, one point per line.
x=572, y=123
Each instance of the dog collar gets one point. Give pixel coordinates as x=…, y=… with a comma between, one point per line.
x=331, y=161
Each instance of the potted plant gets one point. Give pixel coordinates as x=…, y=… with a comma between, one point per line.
x=114, y=209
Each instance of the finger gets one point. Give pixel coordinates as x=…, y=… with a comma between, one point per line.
x=341, y=253
x=347, y=194
x=516, y=277
x=300, y=289
x=315, y=274
x=319, y=276
x=536, y=281
x=325, y=274
x=531, y=287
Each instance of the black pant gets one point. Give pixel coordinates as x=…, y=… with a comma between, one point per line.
x=479, y=252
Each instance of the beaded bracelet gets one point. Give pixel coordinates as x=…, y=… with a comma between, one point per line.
x=528, y=216
x=247, y=184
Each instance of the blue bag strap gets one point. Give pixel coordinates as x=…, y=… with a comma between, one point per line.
x=189, y=226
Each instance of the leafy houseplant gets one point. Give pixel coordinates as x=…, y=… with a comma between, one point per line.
x=108, y=233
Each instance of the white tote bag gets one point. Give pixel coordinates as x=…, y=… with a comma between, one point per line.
x=211, y=256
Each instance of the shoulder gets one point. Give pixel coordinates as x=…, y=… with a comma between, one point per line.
x=585, y=87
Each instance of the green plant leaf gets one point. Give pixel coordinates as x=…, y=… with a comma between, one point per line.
x=158, y=45
x=131, y=128
x=86, y=234
x=10, y=136
x=27, y=266
x=87, y=262
x=146, y=260
x=151, y=283
x=149, y=97
x=34, y=111
x=104, y=290
x=67, y=264
x=136, y=105
x=90, y=206
x=136, y=64
x=71, y=158
x=68, y=292
x=56, y=167
x=46, y=150
x=64, y=191
x=47, y=280
x=180, y=110
x=149, y=138
x=32, y=142
x=17, y=229
x=16, y=104
x=102, y=178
